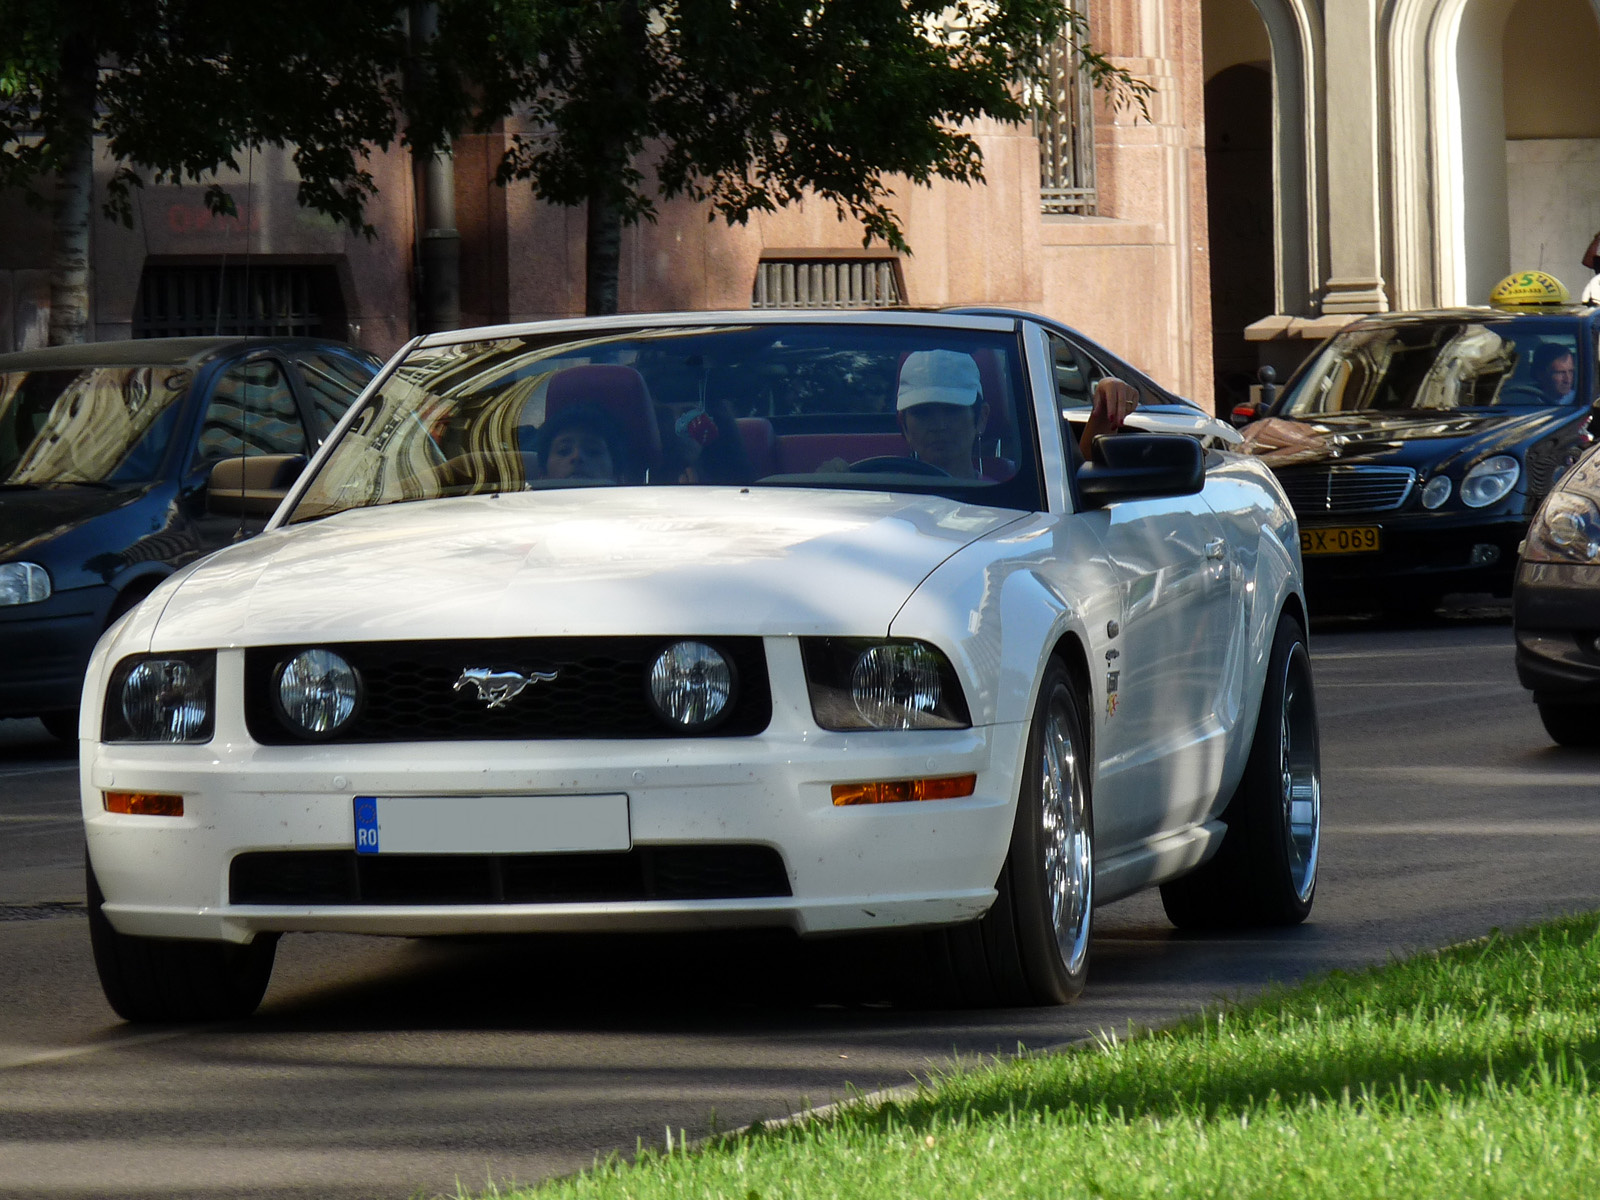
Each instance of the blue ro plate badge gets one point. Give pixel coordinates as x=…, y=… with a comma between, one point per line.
x=366, y=825
x=491, y=824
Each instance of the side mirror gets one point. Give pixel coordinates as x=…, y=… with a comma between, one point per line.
x=1243, y=414
x=1141, y=466
x=253, y=486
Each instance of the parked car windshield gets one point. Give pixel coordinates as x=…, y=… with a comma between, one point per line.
x=919, y=408
x=100, y=425
x=1440, y=365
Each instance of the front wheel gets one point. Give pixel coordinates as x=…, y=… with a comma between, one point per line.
x=1032, y=946
x=1266, y=870
x=1576, y=725
x=170, y=979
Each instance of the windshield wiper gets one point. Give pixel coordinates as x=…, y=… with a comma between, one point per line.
x=89, y=483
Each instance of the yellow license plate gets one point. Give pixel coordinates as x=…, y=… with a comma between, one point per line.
x=1341, y=539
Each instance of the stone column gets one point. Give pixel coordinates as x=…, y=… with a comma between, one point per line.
x=1355, y=215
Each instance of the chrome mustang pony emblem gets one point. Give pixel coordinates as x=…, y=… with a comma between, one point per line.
x=497, y=688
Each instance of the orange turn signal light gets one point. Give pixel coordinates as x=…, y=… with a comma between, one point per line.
x=143, y=804
x=893, y=791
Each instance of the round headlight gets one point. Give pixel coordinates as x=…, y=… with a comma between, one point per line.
x=691, y=684
x=165, y=700
x=891, y=686
x=1436, y=492
x=318, y=692
x=1489, y=481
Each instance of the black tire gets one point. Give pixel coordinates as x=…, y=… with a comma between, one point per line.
x=162, y=979
x=63, y=725
x=1576, y=725
x=1032, y=946
x=1265, y=873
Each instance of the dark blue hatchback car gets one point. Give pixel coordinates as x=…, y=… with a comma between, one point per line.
x=121, y=462
x=1416, y=447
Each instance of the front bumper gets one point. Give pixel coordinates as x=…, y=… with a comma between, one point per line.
x=1555, y=613
x=44, y=649
x=849, y=869
x=1420, y=553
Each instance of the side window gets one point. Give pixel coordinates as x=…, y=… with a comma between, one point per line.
x=252, y=411
x=332, y=382
x=1076, y=373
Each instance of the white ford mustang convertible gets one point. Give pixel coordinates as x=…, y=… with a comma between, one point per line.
x=820, y=621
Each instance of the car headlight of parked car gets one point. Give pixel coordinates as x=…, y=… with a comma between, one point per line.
x=1489, y=481
x=867, y=683
x=1436, y=492
x=1567, y=527
x=161, y=698
x=23, y=583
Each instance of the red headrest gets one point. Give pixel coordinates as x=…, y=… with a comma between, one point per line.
x=621, y=392
x=760, y=443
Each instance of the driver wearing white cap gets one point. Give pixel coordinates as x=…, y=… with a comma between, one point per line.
x=941, y=410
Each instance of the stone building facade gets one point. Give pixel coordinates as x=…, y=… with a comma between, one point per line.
x=1126, y=262
x=1392, y=155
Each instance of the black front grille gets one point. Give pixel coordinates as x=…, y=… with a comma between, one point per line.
x=339, y=877
x=600, y=690
x=1314, y=490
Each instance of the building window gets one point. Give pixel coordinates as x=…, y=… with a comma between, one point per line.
x=1063, y=121
x=813, y=281
x=236, y=299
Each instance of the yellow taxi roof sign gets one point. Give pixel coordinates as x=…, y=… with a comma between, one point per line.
x=1523, y=288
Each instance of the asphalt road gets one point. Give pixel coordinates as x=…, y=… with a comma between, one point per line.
x=384, y=1068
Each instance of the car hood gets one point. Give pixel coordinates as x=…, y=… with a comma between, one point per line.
x=583, y=562
x=31, y=516
x=1399, y=439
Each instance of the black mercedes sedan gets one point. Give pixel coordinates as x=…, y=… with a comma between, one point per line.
x=1416, y=447
x=121, y=462
x=1555, y=608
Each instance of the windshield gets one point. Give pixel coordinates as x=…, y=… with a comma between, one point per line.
x=1440, y=366
x=99, y=425
x=881, y=407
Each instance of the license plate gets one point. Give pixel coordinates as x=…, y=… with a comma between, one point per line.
x=1341, y=539
x=491, y=824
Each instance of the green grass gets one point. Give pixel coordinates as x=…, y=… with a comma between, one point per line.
x=1463, y=1074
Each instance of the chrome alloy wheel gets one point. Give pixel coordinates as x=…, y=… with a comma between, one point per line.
x=1300, y=773
x=1068, y=853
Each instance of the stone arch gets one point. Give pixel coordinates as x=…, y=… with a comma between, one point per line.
x=1240, y=202
x=1294, y=29
x=1449, y=224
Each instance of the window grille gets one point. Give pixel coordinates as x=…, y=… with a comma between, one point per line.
x=827, y=283
x=1063, y=121
x=186, y=301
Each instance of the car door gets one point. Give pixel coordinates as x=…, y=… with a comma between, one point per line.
x=1161, y=668
x=250, y=409
x=329, y=380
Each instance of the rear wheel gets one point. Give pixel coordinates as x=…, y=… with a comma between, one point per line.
x=1266, y=870
x=1032, y=946
x=171, y=979
x=1575, y=725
